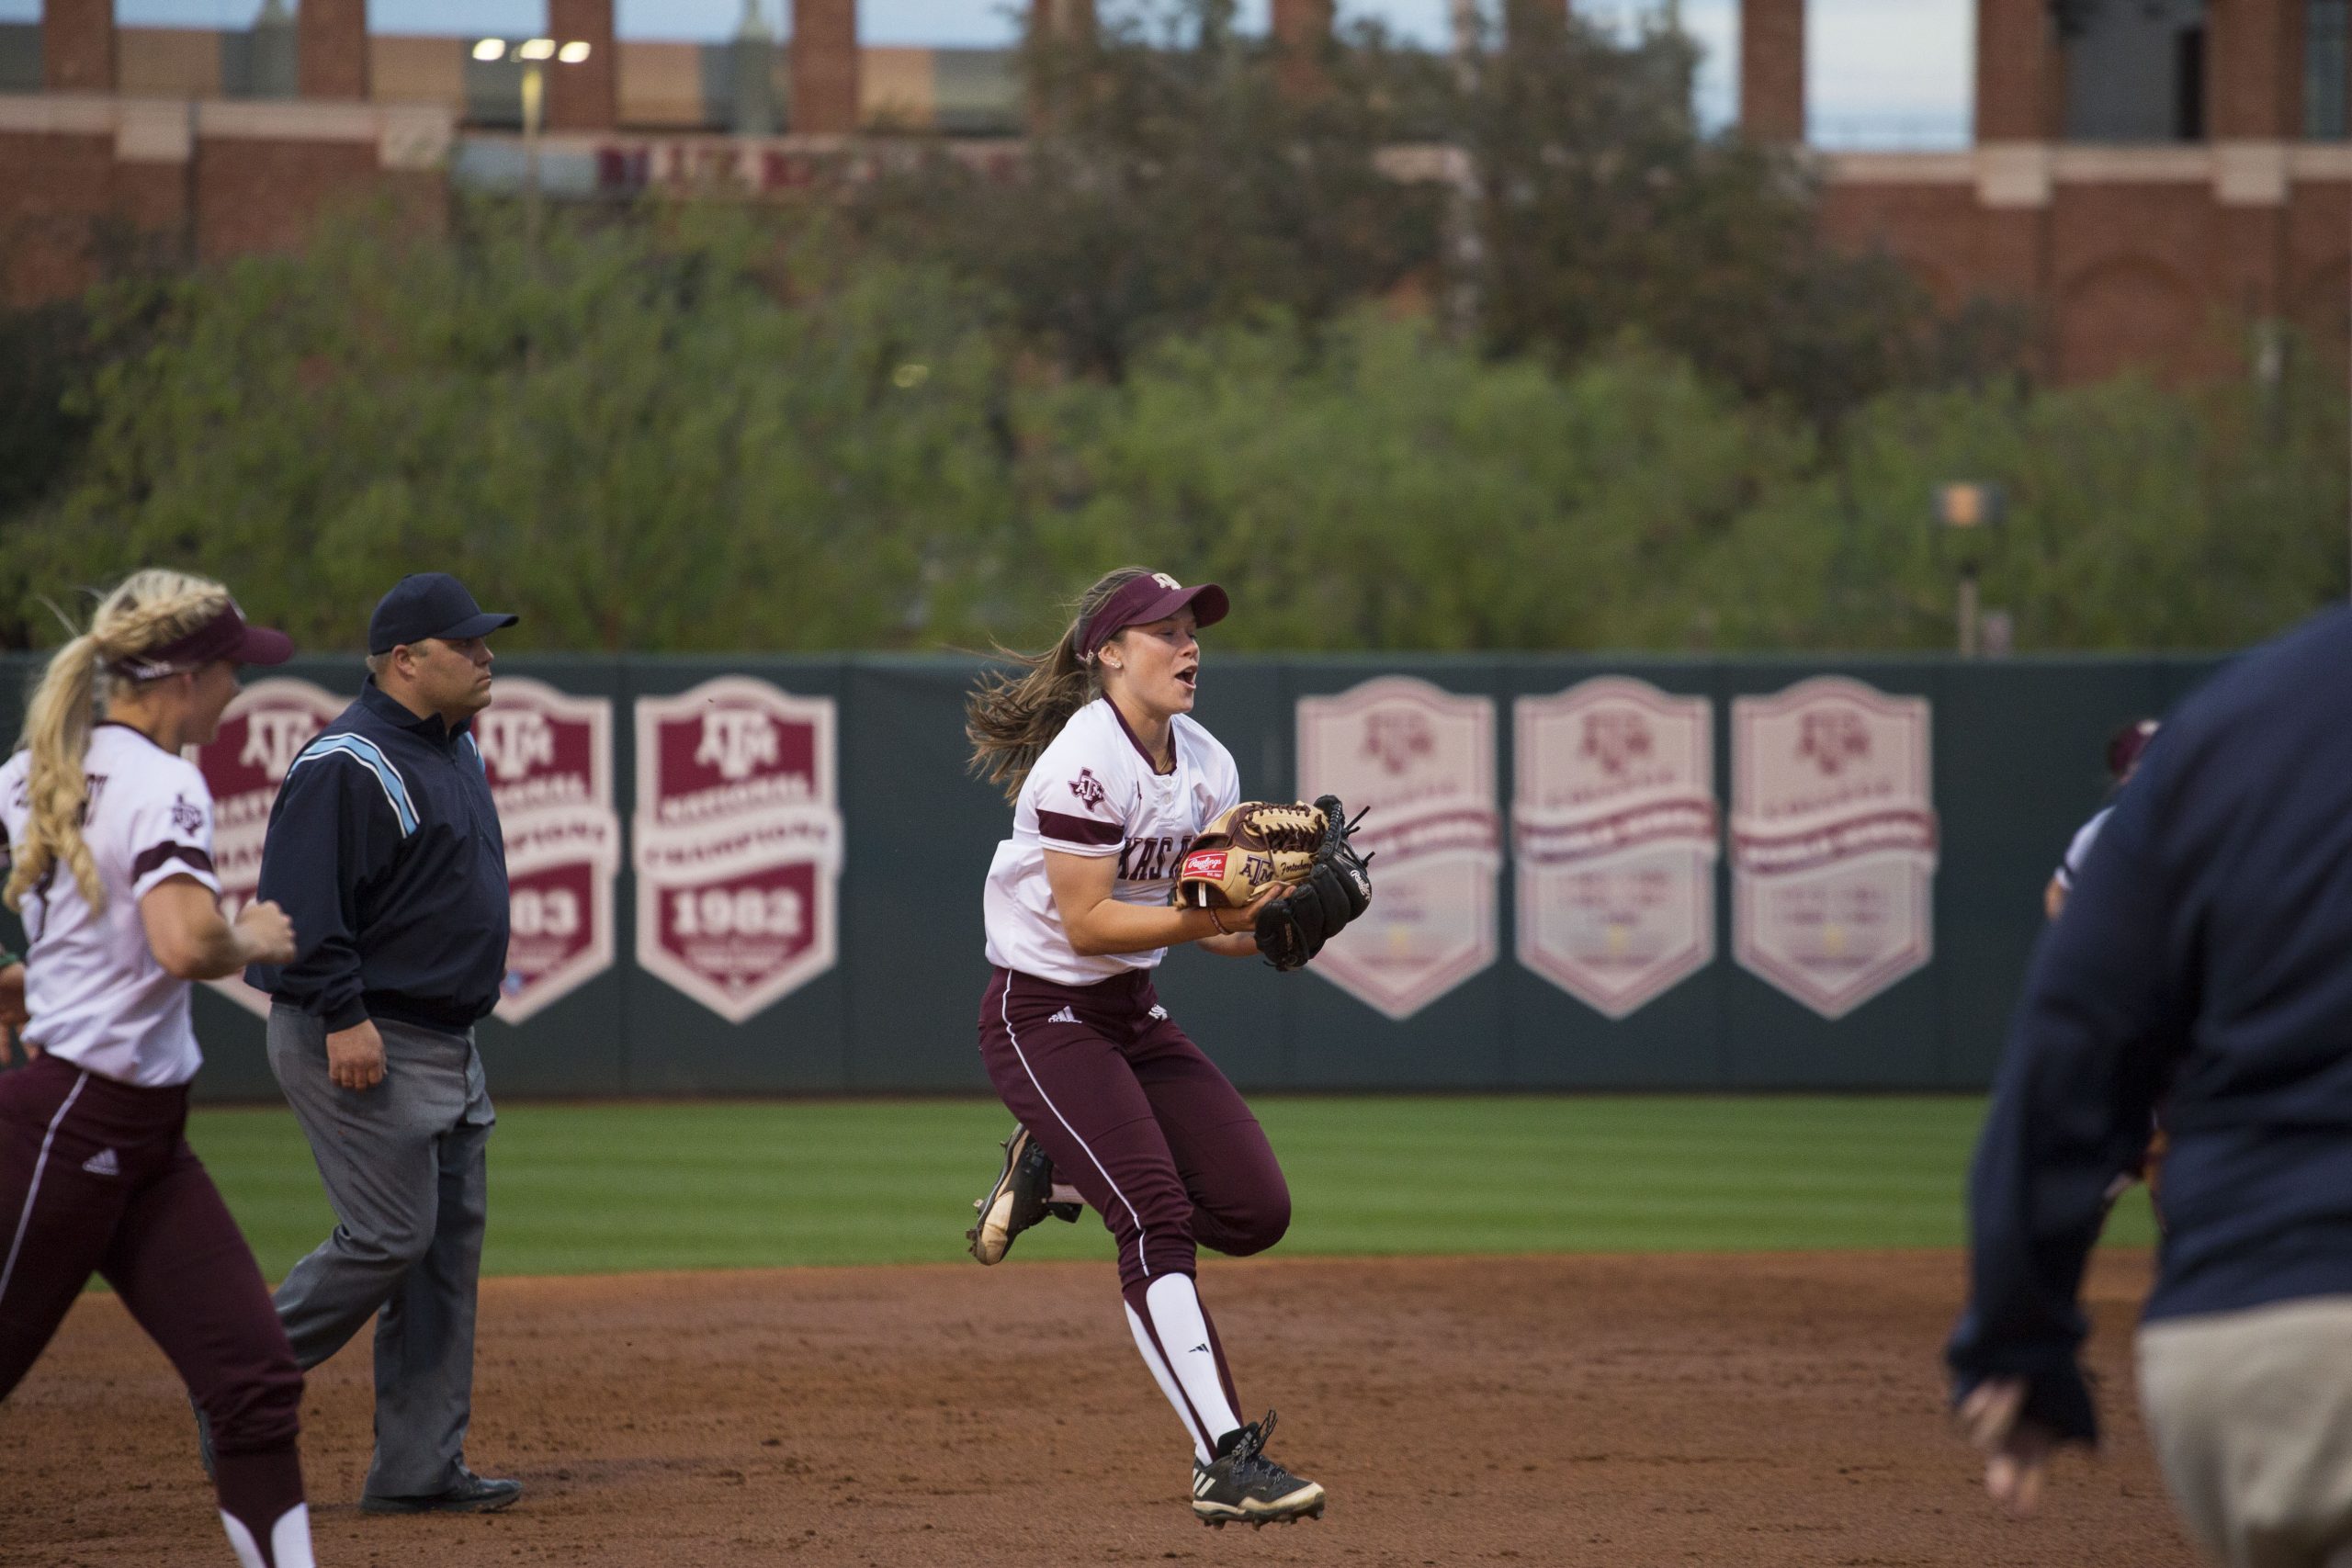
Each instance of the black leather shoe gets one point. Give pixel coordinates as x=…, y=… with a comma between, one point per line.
x=471, y=1494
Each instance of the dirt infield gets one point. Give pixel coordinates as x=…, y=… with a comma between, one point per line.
x=1752, y=1410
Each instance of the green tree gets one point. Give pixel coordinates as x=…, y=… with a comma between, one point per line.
x=695, y=432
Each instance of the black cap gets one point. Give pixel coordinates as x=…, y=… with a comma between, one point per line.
x=429, y=604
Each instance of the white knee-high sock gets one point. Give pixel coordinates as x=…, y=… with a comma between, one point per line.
x=289, y=1541
x=1166, y=1381
x=1183, y=1337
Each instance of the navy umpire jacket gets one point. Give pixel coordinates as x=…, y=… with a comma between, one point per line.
x=2204, y=962
x=385, y=851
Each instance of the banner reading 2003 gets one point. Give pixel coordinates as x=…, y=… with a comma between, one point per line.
x=738, y=842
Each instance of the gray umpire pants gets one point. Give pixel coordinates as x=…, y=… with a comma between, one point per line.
x=2251, y=1416
x=404, y=1168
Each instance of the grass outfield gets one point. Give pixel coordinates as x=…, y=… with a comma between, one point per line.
x=599, y=1188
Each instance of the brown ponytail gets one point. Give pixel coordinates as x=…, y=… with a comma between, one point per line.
x=148, y=610
x=1011, y=718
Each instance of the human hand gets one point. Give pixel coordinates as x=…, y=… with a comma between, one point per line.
x=2016, y=1450
x=355, y=1055
x=265, y=932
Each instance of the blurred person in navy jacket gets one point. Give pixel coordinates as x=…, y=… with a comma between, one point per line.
x=2205, y=959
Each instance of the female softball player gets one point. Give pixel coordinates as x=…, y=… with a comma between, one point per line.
x=1111, y=779
x=110, y=831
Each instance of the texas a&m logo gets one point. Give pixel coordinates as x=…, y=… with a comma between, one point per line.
x=738, y=842
x=1087, y=788
x=736, y=741
x=513, y=741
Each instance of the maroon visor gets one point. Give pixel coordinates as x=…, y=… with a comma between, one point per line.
x=225, y=636
x=1152, y=597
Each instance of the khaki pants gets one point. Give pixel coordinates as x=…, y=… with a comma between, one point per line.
x=2251, y=1414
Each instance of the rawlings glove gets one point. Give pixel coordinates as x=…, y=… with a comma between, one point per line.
x=1248, y=846
x=1336, y=889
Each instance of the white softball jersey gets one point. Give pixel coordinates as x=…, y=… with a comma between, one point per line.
x=98, y=999
x=1093, y=792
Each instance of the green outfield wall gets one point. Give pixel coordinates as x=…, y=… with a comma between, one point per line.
x=763, y=875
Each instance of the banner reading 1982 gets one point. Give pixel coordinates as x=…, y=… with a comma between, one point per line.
x=738, y=842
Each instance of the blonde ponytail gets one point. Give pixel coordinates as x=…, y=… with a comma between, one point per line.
x=148, y=610
x=1010, y=719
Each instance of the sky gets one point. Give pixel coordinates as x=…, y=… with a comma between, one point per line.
x=1878, y=73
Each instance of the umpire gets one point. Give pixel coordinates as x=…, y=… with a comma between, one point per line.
x=2205, y=959
x=384, y=848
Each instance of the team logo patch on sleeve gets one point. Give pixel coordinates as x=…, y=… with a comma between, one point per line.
x=1087, y=788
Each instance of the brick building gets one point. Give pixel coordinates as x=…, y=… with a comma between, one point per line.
x=2160, y=180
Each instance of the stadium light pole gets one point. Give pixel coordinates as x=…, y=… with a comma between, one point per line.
x=1967, y=512
x=534, y=54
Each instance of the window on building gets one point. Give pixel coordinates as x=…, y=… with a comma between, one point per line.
x=2135, y=70
x=2326, y=25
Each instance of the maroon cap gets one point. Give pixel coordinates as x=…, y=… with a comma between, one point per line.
x=2124, y=747
x=1154, y=596
x=225, y=636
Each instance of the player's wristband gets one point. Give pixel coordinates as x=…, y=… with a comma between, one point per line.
x=1218, y=923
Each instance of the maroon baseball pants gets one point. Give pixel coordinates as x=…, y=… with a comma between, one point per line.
x=1135, y=1117
x=96, y=1177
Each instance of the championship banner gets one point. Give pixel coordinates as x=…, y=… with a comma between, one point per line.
x=1614, y=828
x=263, y=729
x=1834, y=838
x=1423, y=760
x=549, y=759
x=738, y=846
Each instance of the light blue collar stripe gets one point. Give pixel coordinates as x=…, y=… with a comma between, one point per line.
x=359, y=749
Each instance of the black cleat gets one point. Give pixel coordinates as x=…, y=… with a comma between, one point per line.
x=470, y=1494
x=203, y=1436
x=1243, y=1486
x=1023, y=1196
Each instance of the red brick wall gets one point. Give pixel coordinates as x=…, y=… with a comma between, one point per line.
x=1771, y=69
x=1956, y=246
x=2016, y=72
x=824, y=67
x=331, y=40
x=585, y=96
x=1301, y=27
x=77, y=46
x=2253, y=69
x=2315, y=292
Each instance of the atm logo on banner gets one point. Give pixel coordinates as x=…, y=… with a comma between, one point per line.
x=1833, y=840
x=262, y=730
x=738, y=842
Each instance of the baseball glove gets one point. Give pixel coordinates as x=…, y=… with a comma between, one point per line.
x=1336, y=889
x=1248, y=846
